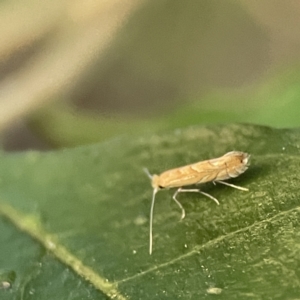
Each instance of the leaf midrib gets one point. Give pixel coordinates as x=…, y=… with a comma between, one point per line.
x=31, y=226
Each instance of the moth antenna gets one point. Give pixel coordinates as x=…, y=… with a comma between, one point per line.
x=148, y=173
x=151, y=221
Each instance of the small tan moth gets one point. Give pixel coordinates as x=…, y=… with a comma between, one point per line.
x=230, y=165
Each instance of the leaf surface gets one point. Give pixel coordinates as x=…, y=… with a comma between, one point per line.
x=75, y=222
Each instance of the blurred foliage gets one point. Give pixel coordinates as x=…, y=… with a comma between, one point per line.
x=276, y=103
x=132, y=66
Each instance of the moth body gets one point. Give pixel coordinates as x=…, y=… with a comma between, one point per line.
x=230, y=165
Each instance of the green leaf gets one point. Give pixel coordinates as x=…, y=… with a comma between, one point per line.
x=75, y=222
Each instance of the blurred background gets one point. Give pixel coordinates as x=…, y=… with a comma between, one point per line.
x=78, y=72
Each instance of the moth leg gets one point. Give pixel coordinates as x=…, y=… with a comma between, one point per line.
x=210, y=196
x=181, y=190
x=233, y=186
x=179, y=204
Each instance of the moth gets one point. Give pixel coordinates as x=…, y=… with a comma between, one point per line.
x=230, y=165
